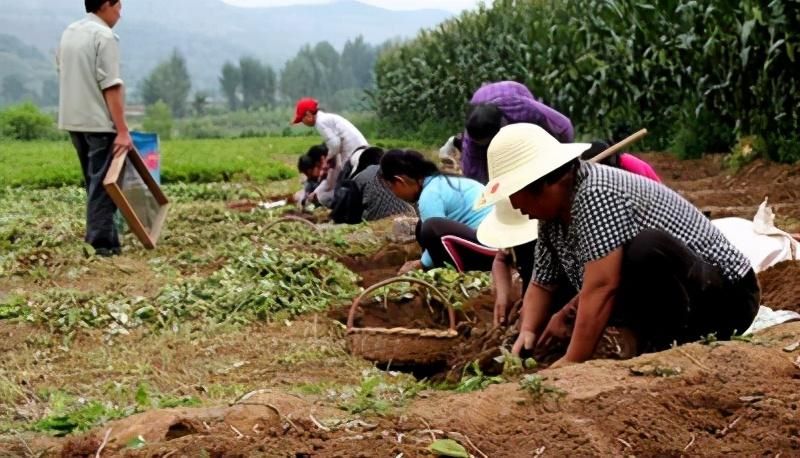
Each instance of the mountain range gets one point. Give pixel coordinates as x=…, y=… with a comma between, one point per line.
x=207, y=32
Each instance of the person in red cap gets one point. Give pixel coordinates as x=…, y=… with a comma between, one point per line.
x=344, y=141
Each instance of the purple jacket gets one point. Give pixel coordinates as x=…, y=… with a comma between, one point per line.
x=518, y=105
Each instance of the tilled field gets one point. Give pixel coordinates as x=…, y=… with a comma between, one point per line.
x=229, y=364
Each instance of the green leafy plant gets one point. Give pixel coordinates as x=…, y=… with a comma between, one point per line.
x=477, y=380
x=709, y=339
x=534, y=384
x=377, y=394
x=449, y=448
x=80, y=419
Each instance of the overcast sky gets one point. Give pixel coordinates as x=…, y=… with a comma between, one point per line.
x=455, y=6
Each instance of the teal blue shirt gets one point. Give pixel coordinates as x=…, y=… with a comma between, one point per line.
x=452, y=198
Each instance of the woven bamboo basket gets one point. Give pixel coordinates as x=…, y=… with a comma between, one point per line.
x=401, y=346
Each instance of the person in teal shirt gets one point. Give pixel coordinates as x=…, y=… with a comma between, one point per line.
x=445, y=206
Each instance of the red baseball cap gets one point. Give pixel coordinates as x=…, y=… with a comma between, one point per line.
x=304, y=105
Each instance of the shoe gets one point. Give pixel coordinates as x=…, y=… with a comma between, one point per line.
x=107, y=252
x=616, y=343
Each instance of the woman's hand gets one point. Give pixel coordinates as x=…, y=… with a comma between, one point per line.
x=560, y=325
x=525, y=341
x=409, y=266
x=501, y=309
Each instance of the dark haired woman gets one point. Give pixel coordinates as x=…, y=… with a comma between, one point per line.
x=493, y=106
x=445, y=205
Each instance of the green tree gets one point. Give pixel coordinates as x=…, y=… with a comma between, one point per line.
x=26, y=122
x=158, y=119
x=170, y=83
x=357, y=64
x=200, y=102
x=299, y=76
x=231, y=81
x=258, y=83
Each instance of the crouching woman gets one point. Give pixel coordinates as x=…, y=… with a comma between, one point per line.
x=445, y=205
x=640, y=256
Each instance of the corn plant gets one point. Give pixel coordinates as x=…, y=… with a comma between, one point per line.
x=700, y=72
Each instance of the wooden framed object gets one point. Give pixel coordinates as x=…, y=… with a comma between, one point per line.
x=137, y=196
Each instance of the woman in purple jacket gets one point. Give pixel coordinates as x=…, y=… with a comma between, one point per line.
x=497, y=104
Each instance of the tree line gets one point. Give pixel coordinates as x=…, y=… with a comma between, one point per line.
x=341, y=80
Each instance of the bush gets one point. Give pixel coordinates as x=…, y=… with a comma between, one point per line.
x=704, y=133
x=26, y=122
x=158, y=119
x=200, y=128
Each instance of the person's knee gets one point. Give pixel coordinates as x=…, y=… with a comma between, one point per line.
x=431, y=229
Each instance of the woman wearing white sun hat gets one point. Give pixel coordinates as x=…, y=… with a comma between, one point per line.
x=640, y=255
x=514, y=234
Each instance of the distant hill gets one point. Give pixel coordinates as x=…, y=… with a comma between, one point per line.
x=209, y=32
x=29, y=66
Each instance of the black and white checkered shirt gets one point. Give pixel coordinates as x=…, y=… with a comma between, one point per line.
x=609, y=208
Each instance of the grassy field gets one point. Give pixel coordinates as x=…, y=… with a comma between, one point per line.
x=43, y=164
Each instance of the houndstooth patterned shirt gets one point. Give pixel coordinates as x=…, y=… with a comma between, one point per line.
x=609, y=208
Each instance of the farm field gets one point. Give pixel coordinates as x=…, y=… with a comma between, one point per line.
x=229, y=339
x=42, y=164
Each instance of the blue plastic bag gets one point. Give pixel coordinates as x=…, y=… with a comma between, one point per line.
x=150, y=151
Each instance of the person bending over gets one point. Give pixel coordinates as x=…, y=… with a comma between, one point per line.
x=313, y=166
x=517, y=252
x=342, y=138
x=495, y=105
x=640, y=256
x=445, y=208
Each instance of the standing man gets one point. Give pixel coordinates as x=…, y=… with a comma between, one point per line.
x=342, y=139
x=92, y=110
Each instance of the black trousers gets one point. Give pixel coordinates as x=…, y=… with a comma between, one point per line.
x=95, y=152
x=668, y=293
x=429, y=236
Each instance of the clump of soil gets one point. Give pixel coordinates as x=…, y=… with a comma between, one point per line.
x=780, y=286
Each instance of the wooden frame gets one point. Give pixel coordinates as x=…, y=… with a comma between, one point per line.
x=148, y=236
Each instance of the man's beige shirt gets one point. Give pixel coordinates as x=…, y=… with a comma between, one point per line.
x=88, y=63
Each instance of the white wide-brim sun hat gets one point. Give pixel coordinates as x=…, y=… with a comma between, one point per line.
x=506, y=227
x=519, y=155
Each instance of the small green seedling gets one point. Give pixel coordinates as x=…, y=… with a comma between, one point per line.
x=449, y=448
x=477, y=381
x=535, y=385
x=709, y=339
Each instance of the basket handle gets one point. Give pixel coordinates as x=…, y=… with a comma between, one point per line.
x=451, y=314
x=291, y=219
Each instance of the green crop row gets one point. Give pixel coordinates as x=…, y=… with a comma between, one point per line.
x=697, y=73
x=42, y=164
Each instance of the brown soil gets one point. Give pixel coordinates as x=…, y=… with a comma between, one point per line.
x=382, y=265
x=733, y=398
x=780, y=286
x=710, y=186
